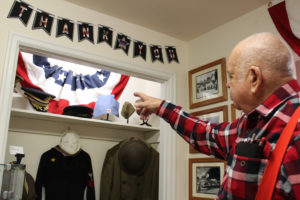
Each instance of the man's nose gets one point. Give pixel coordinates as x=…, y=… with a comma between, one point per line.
x=227, y=85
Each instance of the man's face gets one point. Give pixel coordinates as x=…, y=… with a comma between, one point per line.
x=238, y=84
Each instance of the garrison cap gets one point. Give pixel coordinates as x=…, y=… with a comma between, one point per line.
x=106, y=104
x=127, y=110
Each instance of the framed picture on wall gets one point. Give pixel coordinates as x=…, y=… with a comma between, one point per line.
x=235, y=113
x=205, y=177
x=214, y=115
x=207, y=84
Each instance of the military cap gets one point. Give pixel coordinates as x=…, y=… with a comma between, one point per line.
x=78, y=111
x=38, y=98
x=134, y=156
x=127, y=110
x=106, y=104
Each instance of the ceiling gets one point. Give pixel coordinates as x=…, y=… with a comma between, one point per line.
x=182, y=19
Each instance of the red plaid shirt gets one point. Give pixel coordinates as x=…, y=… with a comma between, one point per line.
x=243, y=174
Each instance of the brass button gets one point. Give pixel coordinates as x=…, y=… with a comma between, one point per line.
x=243, y=163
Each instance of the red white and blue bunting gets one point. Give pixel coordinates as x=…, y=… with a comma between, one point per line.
x=66, y=27
x=286, y=18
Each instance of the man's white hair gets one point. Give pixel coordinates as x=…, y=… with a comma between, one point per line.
x=268, y=52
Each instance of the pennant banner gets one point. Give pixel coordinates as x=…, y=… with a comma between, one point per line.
x=85, y=31
x=279, y=15
x=122, y=42
x=140, y=49
x=65, y=27
x=20, y=10
x=44, y=21
x=293, y=8
x=156, y=53
x=105, y=34
x=171, y=54
x=71, y=84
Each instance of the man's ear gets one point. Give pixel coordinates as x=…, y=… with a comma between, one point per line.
x=255, y=78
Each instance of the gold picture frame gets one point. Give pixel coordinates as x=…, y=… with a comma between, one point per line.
x=207, y=84
x=215, y=115
x=205, y=177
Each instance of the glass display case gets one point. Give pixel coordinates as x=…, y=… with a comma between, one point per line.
x=11, y=181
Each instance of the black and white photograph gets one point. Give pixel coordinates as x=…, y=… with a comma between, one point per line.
x=207, y=84
x=205, y=177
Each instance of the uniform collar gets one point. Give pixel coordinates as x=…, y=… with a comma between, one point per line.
x=281, y=95
x=63, y=152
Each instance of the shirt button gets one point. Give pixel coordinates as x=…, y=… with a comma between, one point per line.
x=243, y=163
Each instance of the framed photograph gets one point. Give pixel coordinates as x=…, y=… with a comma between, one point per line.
x=207, y=84
x=214, y=115
x=205, y=178
x=235, y=113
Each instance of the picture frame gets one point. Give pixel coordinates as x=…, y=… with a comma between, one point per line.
x=216, y=115
x=235, y=113
x=205, y=177
x=207, y=84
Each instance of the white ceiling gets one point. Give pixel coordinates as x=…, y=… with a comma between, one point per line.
x=182, y=19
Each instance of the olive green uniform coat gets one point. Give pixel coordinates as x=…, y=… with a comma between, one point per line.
x=116, y=184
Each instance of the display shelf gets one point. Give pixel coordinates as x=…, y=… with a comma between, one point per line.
x=15, y=112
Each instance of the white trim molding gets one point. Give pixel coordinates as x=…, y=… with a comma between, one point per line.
x=167, y=138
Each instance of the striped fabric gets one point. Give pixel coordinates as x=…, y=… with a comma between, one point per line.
x=243, y=174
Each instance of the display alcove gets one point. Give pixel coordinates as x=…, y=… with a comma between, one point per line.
x=37, y=132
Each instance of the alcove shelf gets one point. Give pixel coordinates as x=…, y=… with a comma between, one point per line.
x=53, y=124
x=26, y=114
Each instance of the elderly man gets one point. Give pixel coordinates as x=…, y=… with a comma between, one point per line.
x=262, y=84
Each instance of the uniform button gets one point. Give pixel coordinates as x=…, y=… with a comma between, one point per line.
x=243, y=163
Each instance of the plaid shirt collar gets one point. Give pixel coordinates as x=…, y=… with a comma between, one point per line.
x=282, y=94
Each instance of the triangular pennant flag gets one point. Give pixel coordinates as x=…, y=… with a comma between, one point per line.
x=140, y=49
x=156, y=53
x=20, y=10
x=85, y=31
x=43, y=20
x=105, y=34
x=122, y=42
x=65, y=27
x=171, y=54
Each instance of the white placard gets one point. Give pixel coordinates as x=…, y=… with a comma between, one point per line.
x=13, y=150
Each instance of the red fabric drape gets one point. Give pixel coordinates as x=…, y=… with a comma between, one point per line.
x=280, y=18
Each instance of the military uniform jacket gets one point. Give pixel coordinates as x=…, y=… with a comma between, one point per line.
x=116, y=184
x=65, y=177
